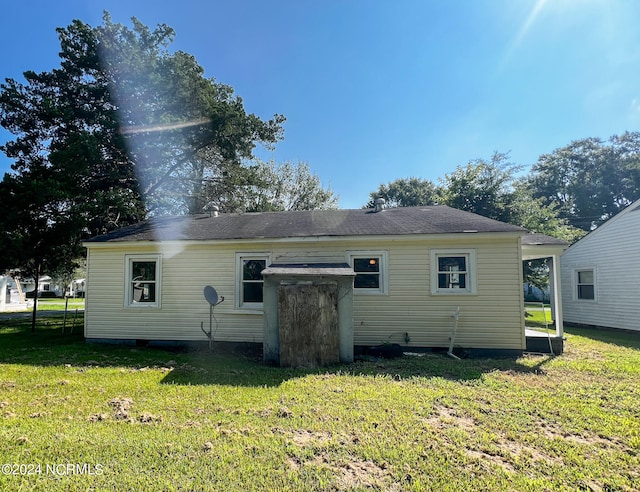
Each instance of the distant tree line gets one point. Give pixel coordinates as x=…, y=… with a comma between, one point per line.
x=567, y=193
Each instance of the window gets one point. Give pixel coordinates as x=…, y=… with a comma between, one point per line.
x=585, y=284
x=370, y=268
x=143, y=281
x=250, y=280
x=453, y=272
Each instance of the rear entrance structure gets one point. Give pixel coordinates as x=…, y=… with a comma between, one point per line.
x=538, y=246
x=308, y=314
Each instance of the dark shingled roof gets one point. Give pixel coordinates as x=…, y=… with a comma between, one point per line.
x=438, y=219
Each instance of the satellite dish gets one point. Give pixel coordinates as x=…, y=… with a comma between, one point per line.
x=212, y=298
x=211, y=295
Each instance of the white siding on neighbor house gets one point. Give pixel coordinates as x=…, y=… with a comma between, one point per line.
x=613, y=252
x=492, y=318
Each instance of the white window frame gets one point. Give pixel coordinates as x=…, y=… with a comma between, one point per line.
x=240, y=257
x=576, y=287
x=471, y=272
x=382, y=256
x=128, y=270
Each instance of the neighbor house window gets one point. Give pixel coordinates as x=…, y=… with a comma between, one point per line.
x=453, y=272
x=142, y=287
x=370, y=268
x=250, y=280
x=585, y=284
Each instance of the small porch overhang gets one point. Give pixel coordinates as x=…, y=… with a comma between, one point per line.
x=539, y=246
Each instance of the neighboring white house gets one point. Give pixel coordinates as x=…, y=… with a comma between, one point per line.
x=77, y=288
x=412, y=268
x=600, y=274
x=46, y=284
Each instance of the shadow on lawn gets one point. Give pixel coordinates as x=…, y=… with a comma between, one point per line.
x=255, y=373
x=623, y=338
x=230, y=365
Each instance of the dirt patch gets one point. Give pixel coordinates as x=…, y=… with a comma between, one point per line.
x=149, y=418
x=354, y=474
x=509, y=449
x=97, y=417
x=551, y=431
x=491, y=458
x=121, y=407
x=284, y=413
x=304, y=438
x=519, y=449
x=445, y=417
x=360, y=474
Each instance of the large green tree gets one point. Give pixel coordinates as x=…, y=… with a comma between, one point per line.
x=590, y=179
x=494, y=189
x=491, y=188
x=140, y=127
x=405, y=192
x=121, y=129
x=285, y=186
x=484, y=187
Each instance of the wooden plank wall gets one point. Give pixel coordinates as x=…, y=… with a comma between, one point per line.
x=308, y=324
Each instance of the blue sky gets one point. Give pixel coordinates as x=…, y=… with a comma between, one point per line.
x=379, y=90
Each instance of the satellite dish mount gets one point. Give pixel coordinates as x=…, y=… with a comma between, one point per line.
x=213, y=299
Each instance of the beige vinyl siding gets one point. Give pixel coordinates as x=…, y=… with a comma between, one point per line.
x=613, y=253
x=490, y=319
x=493, y=318
x=185, y=273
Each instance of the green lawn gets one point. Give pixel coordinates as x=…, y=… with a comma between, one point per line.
x=57, y=305
x=537, y=316
x=129, y=418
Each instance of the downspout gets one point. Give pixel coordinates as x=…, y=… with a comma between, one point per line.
x=557, y=295
x=456, y=316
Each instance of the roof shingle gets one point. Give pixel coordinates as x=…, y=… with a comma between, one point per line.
x=437, y=219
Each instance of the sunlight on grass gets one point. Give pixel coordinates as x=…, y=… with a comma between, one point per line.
x=159, y=420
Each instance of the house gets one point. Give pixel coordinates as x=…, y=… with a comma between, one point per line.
x=600, y=272
x=48, y=288
x=76, y=288
x=400, y=275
